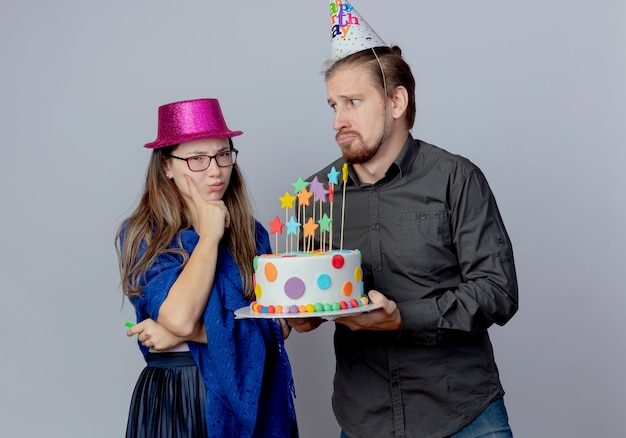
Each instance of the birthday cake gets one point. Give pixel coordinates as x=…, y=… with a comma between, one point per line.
x=306, y=282
x=309, y=276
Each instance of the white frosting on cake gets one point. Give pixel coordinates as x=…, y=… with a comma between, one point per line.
x=308, y=282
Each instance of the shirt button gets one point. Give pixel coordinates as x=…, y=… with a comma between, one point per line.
x=375, y=226
x=377, y=267
x=422, y=215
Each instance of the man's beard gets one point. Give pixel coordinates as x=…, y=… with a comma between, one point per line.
x=361, y=154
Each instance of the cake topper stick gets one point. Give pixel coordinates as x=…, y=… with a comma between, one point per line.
x=304, y=197
x=325, y=226
x=344, y=178
x=309, y=232
x=313, y=219
x=300, y=216
x=299, y=187
x=276, y=228
x=332, y=180
x=310, y=245
x=331, y=200
x=299, y=220
x=287, y=203
x=293, y=228
x=322, y=233
x=319, y=193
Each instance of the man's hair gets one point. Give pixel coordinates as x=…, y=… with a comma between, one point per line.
x=388, y=70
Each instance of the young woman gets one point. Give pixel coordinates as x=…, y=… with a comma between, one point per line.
x=186, y=257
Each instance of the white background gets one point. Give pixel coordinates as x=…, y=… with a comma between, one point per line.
x=533, y=92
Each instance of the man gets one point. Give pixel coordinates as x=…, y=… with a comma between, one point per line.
x=436, y=258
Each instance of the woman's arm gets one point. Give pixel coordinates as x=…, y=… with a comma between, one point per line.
x=188, y=296
x=156, y=337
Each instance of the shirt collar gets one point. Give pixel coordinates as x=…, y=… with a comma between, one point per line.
x=401, y=165
x=405, y=158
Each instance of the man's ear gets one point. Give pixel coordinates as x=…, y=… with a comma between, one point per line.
x=399, y=101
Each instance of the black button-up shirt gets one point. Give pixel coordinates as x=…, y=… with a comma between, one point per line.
x=433, y=241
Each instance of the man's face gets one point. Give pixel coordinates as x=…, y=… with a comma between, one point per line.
x=360, y=115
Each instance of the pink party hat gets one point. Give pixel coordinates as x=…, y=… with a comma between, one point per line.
x=349, y=32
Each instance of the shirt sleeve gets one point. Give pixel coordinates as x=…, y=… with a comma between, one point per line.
x=159, y=279
x=487, y=293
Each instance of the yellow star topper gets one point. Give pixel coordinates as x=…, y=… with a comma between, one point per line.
x=287, y=200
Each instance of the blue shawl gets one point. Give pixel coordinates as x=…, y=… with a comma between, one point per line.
x=246, y=371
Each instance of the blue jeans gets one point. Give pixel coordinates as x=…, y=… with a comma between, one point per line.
x=493, y=422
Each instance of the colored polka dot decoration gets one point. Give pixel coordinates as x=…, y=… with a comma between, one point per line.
x=271, y=272
x=323, y=281
x=294, y=288
x=338, y=261
x=346, y=289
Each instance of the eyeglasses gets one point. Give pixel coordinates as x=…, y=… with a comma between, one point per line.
x=198, y=163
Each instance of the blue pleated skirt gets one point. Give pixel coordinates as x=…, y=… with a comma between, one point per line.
x=168, y=400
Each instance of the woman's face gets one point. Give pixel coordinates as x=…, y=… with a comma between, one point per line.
x=212, y=182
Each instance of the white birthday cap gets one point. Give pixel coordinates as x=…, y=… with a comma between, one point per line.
x=349, y=32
